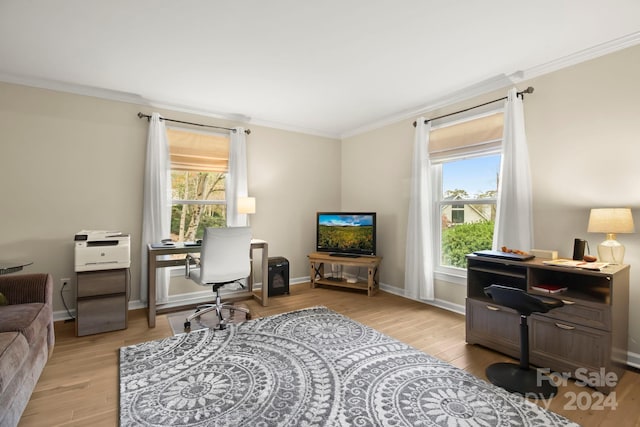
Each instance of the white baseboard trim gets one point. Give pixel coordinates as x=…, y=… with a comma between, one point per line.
x=633, y=359
x=446, y=305
x=62, y=315
x=174, y=300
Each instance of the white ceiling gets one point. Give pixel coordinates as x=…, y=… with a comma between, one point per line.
x=328, y=67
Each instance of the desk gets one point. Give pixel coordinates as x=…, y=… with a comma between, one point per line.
x=588, y=335
x=154, y=263
x=7, y=267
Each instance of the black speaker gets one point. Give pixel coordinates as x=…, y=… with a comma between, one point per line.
x=278, y=276
x=578, y=249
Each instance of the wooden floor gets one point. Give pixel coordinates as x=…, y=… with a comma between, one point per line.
x=79, y=385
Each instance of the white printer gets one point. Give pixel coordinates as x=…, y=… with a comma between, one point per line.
x=102, y=250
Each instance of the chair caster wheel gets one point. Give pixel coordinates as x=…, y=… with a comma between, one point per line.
x=187, y=326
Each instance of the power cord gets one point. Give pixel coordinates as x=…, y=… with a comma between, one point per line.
x=72, y=318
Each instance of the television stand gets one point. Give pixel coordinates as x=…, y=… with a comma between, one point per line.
x=371, y=263
x=338, y=254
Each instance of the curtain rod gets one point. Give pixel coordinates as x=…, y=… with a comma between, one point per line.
x=148, y=117
x=520, y=94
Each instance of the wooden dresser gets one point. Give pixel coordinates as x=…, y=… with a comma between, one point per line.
x=585, y=339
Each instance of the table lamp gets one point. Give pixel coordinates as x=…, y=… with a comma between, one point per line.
x=247, y=205
x=611, y=221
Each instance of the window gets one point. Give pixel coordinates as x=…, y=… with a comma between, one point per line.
x=465, y=158
x=457, y=214
x=199, y=163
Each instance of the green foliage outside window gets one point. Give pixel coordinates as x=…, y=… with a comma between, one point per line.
x=463, y=239
x=212, y=216
x=188, y=220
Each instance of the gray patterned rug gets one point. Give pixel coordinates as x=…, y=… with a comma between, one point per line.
x=310, y=367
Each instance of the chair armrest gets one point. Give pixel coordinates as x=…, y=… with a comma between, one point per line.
x=27, y=288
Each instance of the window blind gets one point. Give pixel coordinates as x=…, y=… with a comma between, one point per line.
x=193, y=151
x=482, y=132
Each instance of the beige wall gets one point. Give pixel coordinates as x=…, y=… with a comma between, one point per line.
x=71, y=162
x=583, y=129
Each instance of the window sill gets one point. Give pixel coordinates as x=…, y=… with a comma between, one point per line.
x=452, y=275
x=177, y=271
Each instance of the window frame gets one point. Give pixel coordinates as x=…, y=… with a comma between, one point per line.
x=222, y=202
x=450, y=274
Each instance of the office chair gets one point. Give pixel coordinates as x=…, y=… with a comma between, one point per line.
x=521, y=378
x=224, y=259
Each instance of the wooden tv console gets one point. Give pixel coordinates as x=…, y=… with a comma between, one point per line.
x=317, y=261
x=584, y=339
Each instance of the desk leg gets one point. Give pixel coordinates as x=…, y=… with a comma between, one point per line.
x=251, y=272
x=263, y=297
x=265, y=275
x=151, y=290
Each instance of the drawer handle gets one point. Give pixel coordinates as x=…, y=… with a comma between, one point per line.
x=492, y=308
x=567, y=302
x=566, y=327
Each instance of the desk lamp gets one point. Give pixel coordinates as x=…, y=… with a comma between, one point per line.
x=247, y=205
x=611, y=221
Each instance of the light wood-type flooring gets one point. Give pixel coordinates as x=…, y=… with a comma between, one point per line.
x=79, y=385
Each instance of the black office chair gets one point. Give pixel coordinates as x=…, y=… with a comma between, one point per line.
x=521, y=378
x=224, y=259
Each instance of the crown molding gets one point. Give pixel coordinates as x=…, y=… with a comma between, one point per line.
x=114, y=95
x=460, y=95
x=294, y=128
x=131, y=98
x=578, y=57
x=503, y=81
x=75, y=89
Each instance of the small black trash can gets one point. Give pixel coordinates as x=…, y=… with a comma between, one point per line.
x=278, y=276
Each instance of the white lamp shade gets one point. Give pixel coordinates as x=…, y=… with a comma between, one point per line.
x=247, y=205
x=611, y=220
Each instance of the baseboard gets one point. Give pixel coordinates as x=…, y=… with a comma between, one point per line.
x=174, y=300
x=446, y=305
x=633, y=359
x=63, y=315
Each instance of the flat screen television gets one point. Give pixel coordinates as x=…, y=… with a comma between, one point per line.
x=346, y=233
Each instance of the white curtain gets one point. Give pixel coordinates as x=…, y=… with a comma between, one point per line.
x=514, y=217
x=418, y=276
x=236, y=185
x=156, y=212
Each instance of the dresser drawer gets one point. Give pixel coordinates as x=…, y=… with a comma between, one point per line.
x=568, y=346
x=103, y=282
x=493, y=326
x=593, y=315
x=101, y=314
